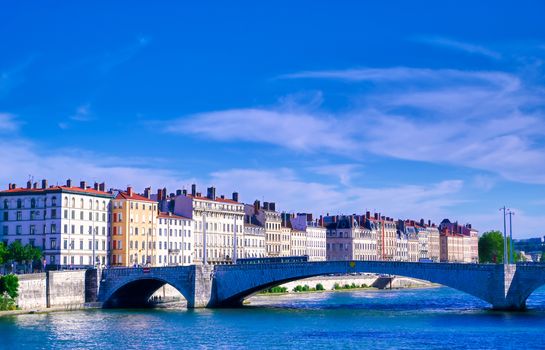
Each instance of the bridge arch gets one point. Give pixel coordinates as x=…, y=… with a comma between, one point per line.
x=132, y=287
x=136, y=293
x=235, y=283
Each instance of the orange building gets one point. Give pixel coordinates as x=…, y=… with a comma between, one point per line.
x=134, y=225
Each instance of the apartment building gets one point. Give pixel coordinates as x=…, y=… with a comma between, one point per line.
x=69, y=223
x=174, y=240
x=134, y=228
x=217, y=221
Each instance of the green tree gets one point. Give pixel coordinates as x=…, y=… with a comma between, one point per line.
x=32, y=253
x=3, y=253
x=16, y=251
x=9, y=284
x=491, y=248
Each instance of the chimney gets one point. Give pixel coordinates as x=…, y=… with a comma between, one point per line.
x=28, y=184
x=164, y=195
x=368, y=214
x=193, y=190
x=321, y=220
x=272, y=206
x=129, y=191
x=35, y=185
x=159, y=194
x=222, y=196
x=257, y=205
x=309, y=217
x=184, y=192
x=13, y=186
x=69, y=183
x=178, y=192
x=235, y=196
x=95, y=186
x=9, y=186
x=147, y=192
x=171, y=194
x=429, y=222
x=102, y=187
x=266, y=205
x=199, y=194
x=82, y=185
x=211, y=193
x=375, y=215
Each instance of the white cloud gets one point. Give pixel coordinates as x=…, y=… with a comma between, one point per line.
x=21, y=159
x=295, y=130
x=459, y=45
x=82, y=114
x=486, y=120
x=285, y=187
x=8, y=123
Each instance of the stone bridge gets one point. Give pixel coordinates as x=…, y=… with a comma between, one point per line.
x=504, y=287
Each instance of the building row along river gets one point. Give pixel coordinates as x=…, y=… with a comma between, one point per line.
x=83, y=225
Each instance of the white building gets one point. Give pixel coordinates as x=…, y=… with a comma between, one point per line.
x=315, y=236
x=254, y=238
x=216, y=220
x=175, y=240
x=70, y=224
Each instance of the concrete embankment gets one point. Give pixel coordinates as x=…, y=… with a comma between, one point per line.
x=56, y=290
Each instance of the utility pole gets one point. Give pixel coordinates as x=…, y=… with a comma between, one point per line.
x=504, y=236
x=511, y=213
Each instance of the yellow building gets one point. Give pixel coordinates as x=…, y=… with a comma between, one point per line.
x=134, y=226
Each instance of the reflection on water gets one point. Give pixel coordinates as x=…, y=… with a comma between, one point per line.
x=427, y=318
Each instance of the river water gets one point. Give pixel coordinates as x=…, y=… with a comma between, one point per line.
x=409, y=319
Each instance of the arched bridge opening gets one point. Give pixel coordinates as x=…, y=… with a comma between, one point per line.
x=143, y=293
x=236, y=283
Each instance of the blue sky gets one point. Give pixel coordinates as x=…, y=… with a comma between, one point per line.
x=414, y=109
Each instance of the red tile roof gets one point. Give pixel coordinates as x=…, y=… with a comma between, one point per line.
x=23, y=190
x=133, y=197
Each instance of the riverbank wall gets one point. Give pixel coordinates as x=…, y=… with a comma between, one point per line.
x=57, y=290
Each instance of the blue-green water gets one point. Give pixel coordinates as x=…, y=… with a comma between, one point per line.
x=408, y=319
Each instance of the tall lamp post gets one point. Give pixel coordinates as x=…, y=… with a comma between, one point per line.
x=511, y=213
x=504, y=236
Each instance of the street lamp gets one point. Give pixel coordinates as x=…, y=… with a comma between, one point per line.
x=511, y=213
x=504, y=236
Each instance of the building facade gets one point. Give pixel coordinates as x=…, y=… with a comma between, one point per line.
x=175, y=240
x=69, y=223
x=217, y=221
x=134, y=229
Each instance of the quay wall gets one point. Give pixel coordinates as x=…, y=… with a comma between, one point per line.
x=57, y=290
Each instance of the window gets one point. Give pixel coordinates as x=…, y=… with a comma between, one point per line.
x=81, y=215
x=53, y=243
x=19, y=216
x=65, y=244
x=5, y=230
x=19, y=204
x=5, y=204
x=32, y=229
x=53, y=228
x=33, y=203
x=53, y=213
x=53, y=201
x=19, y=230
x=6, y=217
